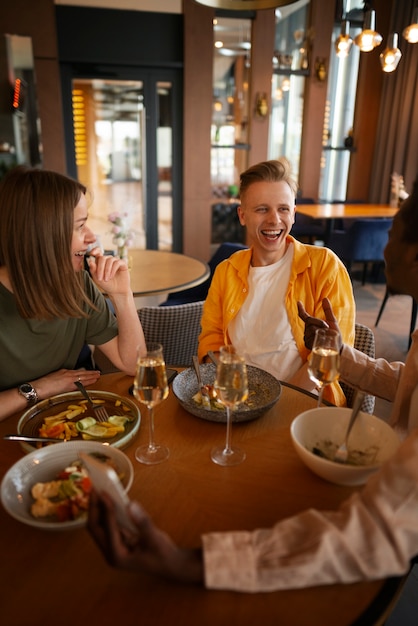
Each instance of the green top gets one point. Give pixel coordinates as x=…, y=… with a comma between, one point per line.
x=31, y=348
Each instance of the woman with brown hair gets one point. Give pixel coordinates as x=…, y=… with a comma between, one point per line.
x=50, y=307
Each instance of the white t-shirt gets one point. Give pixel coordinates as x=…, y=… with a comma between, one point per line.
x=261, y=330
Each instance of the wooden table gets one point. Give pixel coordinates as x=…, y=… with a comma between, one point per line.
x=61, y=577
x=156, y=272
x=331, y=212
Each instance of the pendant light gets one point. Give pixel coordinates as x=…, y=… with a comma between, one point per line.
x=391, y=55
x=369, y=38
x=411, y=32
x=343, y=42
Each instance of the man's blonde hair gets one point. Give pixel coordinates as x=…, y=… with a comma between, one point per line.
x=270, y=172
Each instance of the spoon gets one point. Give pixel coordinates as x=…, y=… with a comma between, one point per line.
x=341, y=454
x=202, y=388
x=212, y=357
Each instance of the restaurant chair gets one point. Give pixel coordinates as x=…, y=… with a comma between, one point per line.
x=363, y=242
x=413, y=315
x=195, y=294
x=306, y=228
x=363, y=341
x=225, y=223
x=176, y=327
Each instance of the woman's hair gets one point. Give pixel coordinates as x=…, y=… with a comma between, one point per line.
x=409, y=214
x=269, y=172
x=36, y=229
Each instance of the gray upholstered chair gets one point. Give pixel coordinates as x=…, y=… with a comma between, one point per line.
x=363, y=341
x=176, y=327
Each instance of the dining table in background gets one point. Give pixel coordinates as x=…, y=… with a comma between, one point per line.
x=158, y=272
x=333, y=211
x=62, y=578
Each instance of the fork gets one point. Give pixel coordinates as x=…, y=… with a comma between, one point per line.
x=100, y=411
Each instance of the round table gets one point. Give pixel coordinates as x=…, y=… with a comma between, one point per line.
x=187, y=495
x=155, y=272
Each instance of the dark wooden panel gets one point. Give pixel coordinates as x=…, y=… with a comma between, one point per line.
x=91, y=35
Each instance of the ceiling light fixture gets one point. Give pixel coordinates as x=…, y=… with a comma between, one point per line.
x=245, y=5
x=411, y=32
x=343, y=42
x=369, y=38
x=391, y=55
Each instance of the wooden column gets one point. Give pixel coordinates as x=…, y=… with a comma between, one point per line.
x=198, y=52
x=262, y=48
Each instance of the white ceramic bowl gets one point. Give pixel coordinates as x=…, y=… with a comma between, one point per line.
x=325, y=429
x=43, y=465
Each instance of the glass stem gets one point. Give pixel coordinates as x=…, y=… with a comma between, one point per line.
x=320, y=392
x=228, y=449
x=151, y=444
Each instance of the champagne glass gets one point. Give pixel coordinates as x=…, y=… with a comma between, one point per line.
x=151, y=388
x=231, y=387
x=324, y=360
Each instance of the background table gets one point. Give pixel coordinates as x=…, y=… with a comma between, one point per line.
x=331, y=212
x=345, y=211
x=62, y=578
x=155, y=272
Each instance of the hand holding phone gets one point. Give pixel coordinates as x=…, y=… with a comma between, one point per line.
x=104, y=478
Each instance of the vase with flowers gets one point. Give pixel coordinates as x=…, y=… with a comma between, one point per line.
x=122, y=234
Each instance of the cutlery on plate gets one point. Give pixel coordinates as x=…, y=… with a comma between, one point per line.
x=212, y=357
x=29, y=438
x=202, y=388
x=341, y=454
x=100, y=411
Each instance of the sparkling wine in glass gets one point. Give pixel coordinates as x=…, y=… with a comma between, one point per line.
x=231, y=387
x=151, y=388
x=324, y=360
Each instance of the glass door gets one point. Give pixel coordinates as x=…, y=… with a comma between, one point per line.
x=124, y=136
x=109, y=142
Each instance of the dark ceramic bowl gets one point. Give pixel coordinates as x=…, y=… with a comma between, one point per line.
x=264, y=391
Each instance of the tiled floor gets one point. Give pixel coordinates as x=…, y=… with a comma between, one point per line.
x=391, y=343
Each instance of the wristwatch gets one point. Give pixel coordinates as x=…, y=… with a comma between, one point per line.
x=27, y=391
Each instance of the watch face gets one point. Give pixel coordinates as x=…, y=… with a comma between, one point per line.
x=28, y=392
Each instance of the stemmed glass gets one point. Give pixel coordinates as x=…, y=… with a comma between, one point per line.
x=231, y=387
x=151, y=388
x=324, y=360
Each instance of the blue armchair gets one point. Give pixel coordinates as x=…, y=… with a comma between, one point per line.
x=363, y=242
x=195, y=294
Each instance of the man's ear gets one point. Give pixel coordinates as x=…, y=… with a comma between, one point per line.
x=241, y=215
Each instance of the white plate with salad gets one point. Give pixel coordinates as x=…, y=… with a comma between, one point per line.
x=49, y=488
x=68, y=417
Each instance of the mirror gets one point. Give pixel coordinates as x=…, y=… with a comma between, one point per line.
x=20, y=131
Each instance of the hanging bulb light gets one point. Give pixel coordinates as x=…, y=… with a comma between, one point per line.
x=344, y=42
x=369, y=38
x=411, y=32
x=391, y=55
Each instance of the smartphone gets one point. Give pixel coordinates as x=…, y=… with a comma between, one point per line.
x=104, y=478
x=171, y=374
